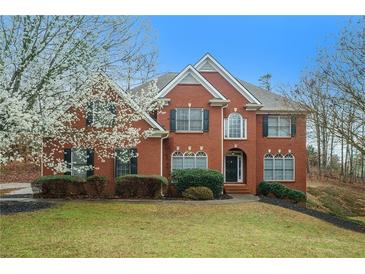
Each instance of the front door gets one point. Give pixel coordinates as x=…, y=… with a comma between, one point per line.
x=231, y=169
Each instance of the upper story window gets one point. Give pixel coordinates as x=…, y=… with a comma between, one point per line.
x=234, y=127
x=278, y=167
x=100, y=114
x=279, y=126
x=189, y=120
x=189, y=160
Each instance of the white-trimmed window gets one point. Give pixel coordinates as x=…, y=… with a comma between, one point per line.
x=278, y=167
x=189, y=119
x=201, y=160
x=234, y=127
x=101, y=114
x=279, y=126
x=79, y=164
x=189, y=160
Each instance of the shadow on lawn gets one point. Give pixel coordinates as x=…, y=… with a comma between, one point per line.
x=343, y=223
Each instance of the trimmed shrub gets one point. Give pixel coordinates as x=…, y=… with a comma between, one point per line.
x=140, y=186
x=170, y=191
x=198, y=193
x=95, y=185
x=59, y=186
x=195, y=177
x=280, y=191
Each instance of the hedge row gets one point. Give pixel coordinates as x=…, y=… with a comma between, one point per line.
x=196, y=177
x=131, y=186
x=282, y=192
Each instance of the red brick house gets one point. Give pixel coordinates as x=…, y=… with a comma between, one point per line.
x=213, y=120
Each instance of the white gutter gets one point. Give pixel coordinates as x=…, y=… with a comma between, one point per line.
x=222, y=147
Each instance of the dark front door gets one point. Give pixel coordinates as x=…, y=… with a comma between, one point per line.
x=231, y=169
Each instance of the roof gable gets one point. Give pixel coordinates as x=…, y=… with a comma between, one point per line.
x=207, y=64
x=190, y=75
x=127, y=98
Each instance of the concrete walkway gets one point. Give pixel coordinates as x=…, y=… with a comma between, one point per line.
x=24, y=188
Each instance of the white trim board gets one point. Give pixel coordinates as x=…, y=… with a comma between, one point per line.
x=208, y=63
x=190, y=73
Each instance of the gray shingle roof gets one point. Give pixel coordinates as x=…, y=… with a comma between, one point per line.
x=271, y=101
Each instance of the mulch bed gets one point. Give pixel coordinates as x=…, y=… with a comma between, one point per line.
x=347, y=224
x=11, y=207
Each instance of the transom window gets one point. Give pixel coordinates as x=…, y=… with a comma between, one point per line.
x=189, y=160
x=234, y=127
x=279, y=126
x=278, y=167
x=189, y=119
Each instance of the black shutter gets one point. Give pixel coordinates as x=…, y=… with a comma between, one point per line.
x=265, y=125
x=113, y=110
x=89, y=114
x=133, y=161
x=67, y=159
x=90, y=162
x=206, y=120
x=293, y=126
x=173, y=120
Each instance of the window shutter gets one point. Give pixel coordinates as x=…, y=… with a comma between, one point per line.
x=113, y=110
x=89, y=114
x=173, y=120
x=206, y=120
x=67, y=159
x=133, y=161
x=265, y=125
x=90, y=162
x=293, y=126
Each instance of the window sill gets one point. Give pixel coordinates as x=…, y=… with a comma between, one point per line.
x=279, y=137
x=280, y=181
x=237, y=139
x=181, y=131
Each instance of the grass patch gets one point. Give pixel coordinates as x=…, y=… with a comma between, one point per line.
x=113, y=229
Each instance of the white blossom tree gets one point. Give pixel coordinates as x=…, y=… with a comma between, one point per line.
x=50, y=65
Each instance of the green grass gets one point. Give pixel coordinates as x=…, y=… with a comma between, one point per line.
x=112, y=229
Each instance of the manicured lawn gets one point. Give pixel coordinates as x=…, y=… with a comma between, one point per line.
x=112, y=229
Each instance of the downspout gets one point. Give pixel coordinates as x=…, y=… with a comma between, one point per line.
x=222, y=148
x=161, y=159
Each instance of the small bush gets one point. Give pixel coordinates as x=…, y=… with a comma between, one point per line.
x=198, y=193
x=170, y=191
x=59, y=186
x=95, y=185
x=280, y=191
x=195, y=177
x=140, y=186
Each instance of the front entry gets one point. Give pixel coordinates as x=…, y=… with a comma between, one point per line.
x=231, y=169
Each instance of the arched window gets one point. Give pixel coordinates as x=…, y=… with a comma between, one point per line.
x=201, y=160
x=234, y=126
x=289, y=167
x=189, y=160
x=278, y=167
x=177, y=160
x=268, y=167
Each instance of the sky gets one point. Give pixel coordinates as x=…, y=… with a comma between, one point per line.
x=247, y=46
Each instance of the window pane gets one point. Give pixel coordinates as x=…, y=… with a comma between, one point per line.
x=273, y=131
x=235, y=129
x=268, y=169
x=196, y=119
x=189, y=161
x=182, y=119
x=284, y=131
x=177, y=162
x=102, y=113
x=289, y=175
x=201, y=162
x=123, y=162
x=289, y=168
x=79, y=162
x=273, y=121
x=279, y=168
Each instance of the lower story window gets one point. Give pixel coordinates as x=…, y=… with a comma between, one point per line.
x=278, y=167
x=79, y=161
x=125, y=161
x=189, y=160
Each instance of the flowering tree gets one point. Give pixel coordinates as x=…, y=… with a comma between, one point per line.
x=50, y=71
